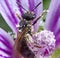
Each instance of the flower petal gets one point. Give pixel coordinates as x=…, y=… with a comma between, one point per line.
x=8, y=14
x=53, y=19
x=6, y=44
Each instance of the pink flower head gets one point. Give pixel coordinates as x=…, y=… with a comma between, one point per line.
x=43, y=43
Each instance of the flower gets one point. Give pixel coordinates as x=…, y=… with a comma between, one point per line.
x=53, y=20
x=9, y=8
x=43, y=43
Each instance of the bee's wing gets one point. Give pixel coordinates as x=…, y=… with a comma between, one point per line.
x=19, y=37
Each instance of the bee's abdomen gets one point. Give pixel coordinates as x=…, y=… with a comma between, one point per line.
x=24, y=49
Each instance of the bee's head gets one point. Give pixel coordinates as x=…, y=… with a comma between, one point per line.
x=28, y=16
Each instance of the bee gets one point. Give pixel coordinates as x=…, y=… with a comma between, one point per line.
x=25, y=27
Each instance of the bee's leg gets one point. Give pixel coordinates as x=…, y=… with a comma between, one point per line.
x=36, y=19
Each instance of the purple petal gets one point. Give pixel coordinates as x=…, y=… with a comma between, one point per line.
x=20, y=9
x=8, y=14
x=6, y=44
x=31, y=4
x=53, y=19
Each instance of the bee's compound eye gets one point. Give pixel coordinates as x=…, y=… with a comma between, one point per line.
x=22, y=24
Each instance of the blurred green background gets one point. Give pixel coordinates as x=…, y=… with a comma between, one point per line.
x=4, y=25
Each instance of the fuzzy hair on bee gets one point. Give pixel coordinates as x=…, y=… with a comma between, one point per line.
x=25, y=27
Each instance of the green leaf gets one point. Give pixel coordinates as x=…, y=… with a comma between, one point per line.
x=40, y=28
x=56, y=53
x=46, y=4
x=4, y=25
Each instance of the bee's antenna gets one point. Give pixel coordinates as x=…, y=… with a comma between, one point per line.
x=21, y=6
x=36, y=6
